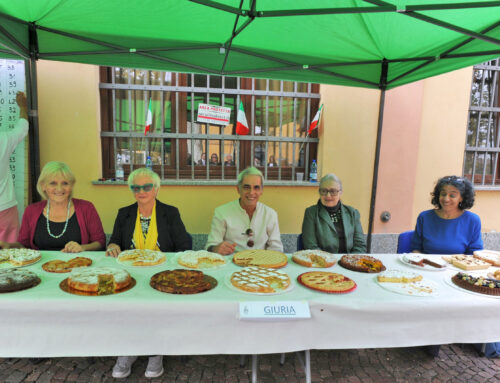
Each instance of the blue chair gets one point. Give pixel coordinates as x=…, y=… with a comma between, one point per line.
x=300, y=243
x=404, y=240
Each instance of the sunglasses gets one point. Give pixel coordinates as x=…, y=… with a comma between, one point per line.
x=333, y=192
x=250, y=241
x=138, y=188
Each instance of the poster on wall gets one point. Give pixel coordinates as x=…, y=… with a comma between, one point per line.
x=12, y=80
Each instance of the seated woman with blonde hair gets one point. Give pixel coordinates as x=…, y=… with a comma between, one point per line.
x=146, y=224
x=59, y=222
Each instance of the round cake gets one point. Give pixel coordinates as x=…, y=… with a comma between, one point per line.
x=261, y=258
x=59, y=266
x=313, y=258
x=200, y=259
x=476, y=284
x=362, y=263
x=260, y=280
x=100, y=280
x=17, y=279
x=182, y=281
x=327, y=282
x=21, y=257
x=139, y=257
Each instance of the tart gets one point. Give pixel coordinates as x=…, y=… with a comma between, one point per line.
x=261, y=258
x=480, y=285
x=466, y=262
x=17, y=279
x=313, y=258
x=490, y=256
x=362, y=263
x=182, y=281
x=58, y=266
x=200, y=259
x=327, y=282
x=139, y=257
x=20, y=257
x=260, y=280
x=399, y=276
x=100, y=280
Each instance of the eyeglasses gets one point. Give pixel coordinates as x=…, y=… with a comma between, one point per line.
x=250, y=241
x=137, y=188
x=333, y=192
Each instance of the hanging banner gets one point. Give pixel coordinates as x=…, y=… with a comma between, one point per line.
x=12, y=80
x=213, y=114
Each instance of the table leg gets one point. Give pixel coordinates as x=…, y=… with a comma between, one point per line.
x=306, y=364
x=254, y=368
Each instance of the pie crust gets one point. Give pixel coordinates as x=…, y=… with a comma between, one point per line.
x=181, y=281
x=327, y=282
x=480, y=285
x=466, y=262
x=58, y=266
x=255, y=279
x=261, y=258
x=20, y=257
x=98, y=279
x=200, y=259
x=362, y=263
x=314, y=258
x=139, y=257
x=17, y=279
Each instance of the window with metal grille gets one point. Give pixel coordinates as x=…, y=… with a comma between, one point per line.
x=182, y=148
x=481, y=160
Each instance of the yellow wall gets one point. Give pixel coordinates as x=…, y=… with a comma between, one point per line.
x=70, y=125
x=68, y=96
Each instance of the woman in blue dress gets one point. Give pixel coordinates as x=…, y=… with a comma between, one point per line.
x=449, y=228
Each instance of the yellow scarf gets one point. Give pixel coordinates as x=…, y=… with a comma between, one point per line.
x=151, y=240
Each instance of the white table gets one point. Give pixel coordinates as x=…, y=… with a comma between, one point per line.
x=46, y=321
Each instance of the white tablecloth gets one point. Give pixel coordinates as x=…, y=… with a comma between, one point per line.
x=46, y=321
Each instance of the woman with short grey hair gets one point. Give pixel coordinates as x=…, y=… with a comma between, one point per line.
x=330, y=225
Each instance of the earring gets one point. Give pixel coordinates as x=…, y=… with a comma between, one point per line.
x=461, y=205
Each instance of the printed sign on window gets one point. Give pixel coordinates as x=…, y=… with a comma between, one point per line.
x=213, y=114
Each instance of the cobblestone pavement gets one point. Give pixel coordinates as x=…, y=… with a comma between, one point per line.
x=455, y=363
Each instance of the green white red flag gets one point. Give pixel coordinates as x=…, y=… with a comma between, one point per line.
x=149, y=119
x=315, y=121
x=241, y=122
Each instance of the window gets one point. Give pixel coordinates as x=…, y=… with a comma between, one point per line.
x=481, y=161
x=182, y=148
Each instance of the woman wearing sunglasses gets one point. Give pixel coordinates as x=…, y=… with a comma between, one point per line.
x=330, y=225
x=146, y=224
x=59, y=222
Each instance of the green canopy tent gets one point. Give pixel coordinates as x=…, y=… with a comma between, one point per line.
x=372, y=43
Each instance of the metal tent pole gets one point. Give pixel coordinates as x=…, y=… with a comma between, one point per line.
x=383, y=85
x=32, y=94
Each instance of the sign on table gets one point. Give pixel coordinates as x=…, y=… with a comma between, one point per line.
x=274, y=310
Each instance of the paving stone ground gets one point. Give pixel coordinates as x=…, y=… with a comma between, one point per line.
x=455, y=363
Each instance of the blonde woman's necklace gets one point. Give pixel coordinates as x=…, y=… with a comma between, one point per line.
x=65, y=225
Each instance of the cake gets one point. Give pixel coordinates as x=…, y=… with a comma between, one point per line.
x=260, y=280
x=490, y=256
x=480, y=285
x=466, y=262
x=362, y=263
x=59, y=266
x=327, y=282
x=182, y=281
x=262, y=258
x=419, y=260
x=139, y=257
x=17, y=279
x=313, y=258
x=399, y=276
x=200, y=259
x=20, y=257
x=100, y=280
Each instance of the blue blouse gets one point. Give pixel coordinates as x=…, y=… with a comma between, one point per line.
x=436, y=235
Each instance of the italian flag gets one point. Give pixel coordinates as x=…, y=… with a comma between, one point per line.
x=241, y=122
x=149, y=119
x=314, y=122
